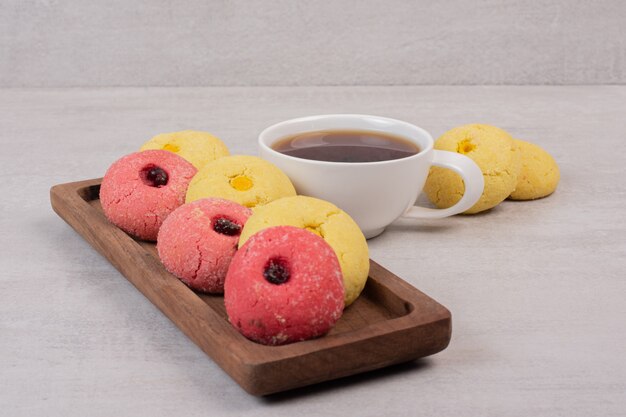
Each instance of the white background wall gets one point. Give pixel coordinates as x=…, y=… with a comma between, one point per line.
x=59, y=43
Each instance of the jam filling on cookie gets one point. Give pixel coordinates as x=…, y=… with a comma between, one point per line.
x=226, y=227
x=171, y=147
x=241, y=183
x=276, y=271
x=154, y=176
x=465, y=146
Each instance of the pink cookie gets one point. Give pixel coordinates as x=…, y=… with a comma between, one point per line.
x=141, y=189
x=284, y=285
x=198, y=240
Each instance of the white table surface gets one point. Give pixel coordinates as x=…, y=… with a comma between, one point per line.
x=537, y=289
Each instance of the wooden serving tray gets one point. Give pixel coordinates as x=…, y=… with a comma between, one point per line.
x=391, y=322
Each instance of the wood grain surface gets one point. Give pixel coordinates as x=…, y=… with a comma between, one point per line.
x=391, y=322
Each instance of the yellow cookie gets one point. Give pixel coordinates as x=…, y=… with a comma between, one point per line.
x=540, y=173
x=325, y=220
x=495, y=153
x=199, y=148
x=247, y=180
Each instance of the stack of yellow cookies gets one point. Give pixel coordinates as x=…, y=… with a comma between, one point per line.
x=511, y=168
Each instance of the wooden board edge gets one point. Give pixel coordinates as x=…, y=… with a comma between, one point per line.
x=242, y=366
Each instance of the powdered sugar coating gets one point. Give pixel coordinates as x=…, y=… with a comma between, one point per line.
x=190, y=248
x=304, y=307
x=136, y=207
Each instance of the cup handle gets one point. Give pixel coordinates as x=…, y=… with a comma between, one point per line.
x=472, y=178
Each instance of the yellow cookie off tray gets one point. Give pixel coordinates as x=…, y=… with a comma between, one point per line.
x=247, y=180
x=199, y=148
x=495, y=153
x=324, y=219
x=540, y=174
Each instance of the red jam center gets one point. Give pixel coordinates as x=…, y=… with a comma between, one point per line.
x=154, y=176
x=276, y=271
x=226, y=227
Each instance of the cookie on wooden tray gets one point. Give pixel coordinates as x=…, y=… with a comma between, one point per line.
x=539, y=175
x=199, y=148
x=140, y=190
x=284, y=285
x=247, y=180
x=324, y=219
x=495, y=153
x=198, y=240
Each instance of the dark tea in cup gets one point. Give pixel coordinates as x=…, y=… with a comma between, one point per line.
x=372, y=167
x=346, y=146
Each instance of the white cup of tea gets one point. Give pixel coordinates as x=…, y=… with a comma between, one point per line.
x=375, y=193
